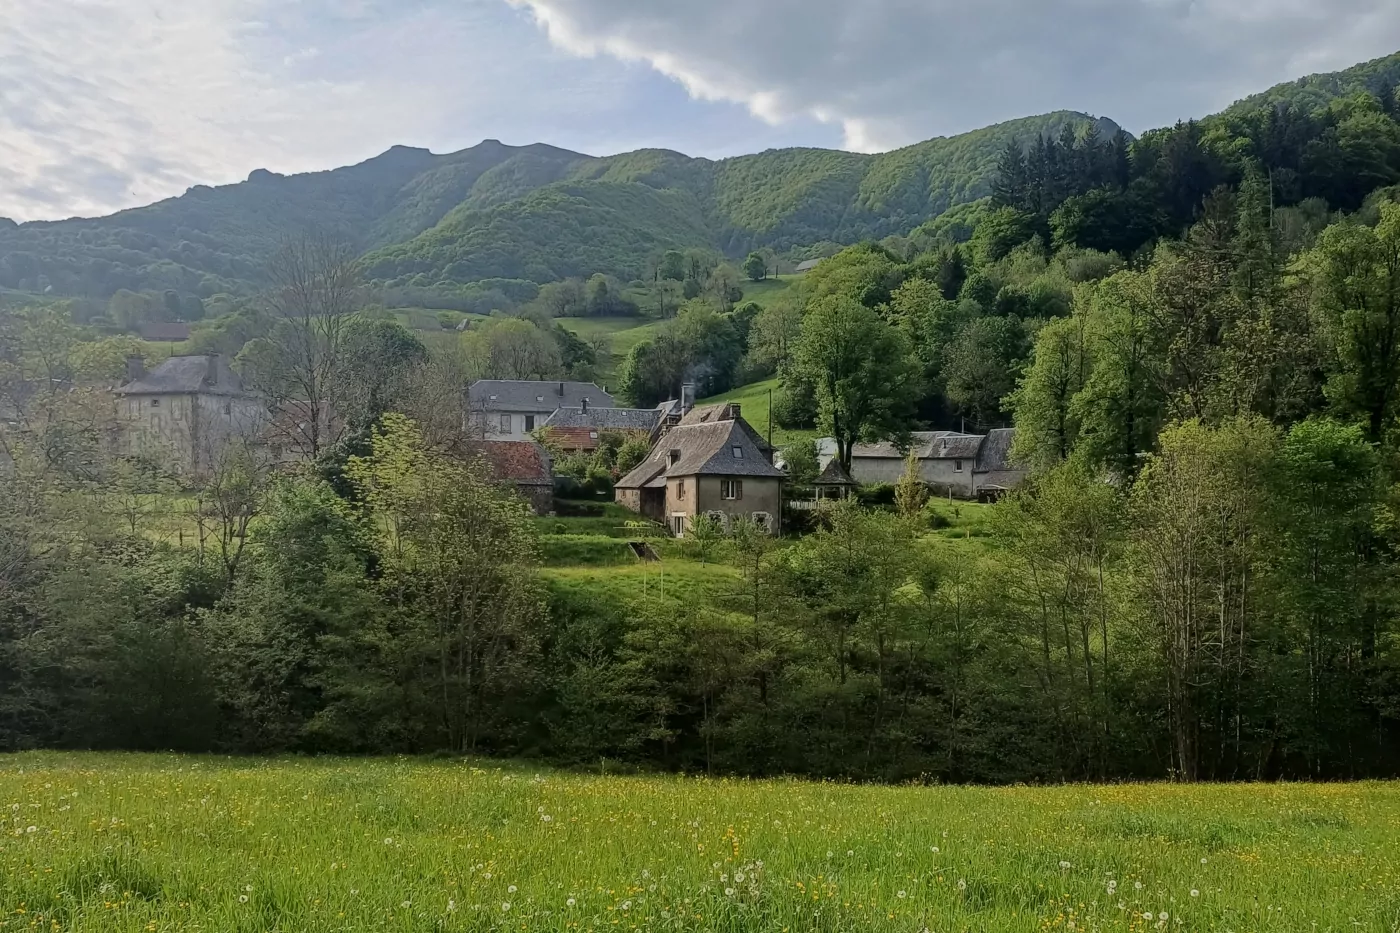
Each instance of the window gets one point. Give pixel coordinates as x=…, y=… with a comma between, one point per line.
x=957, y=466
x=680, y=489
x=505, y=424
x=738, y=453
x=539, y=398
x=675, y=457
x=155, y=403
x=228, y=408
x=494, y=397
x=529, y=423
x=764, y=521
x=731, y=489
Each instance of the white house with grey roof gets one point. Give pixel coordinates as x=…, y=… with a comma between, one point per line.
x=186, y=411
x=511, y=410
x=970, y=466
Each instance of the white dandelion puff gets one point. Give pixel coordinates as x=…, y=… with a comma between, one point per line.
x=1195, y=893
x=505, y=907
x=570, y=902
x=512, y=889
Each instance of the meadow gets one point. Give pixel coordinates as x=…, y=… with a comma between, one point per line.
x=97, y=842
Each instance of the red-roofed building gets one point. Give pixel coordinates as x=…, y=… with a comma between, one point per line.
x=525, y=467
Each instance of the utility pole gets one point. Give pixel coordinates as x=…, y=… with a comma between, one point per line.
x=770, y=425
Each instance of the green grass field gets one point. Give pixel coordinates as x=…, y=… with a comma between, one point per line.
x=92, y=842
x=771, y=289
x=753, y=399
x=623, y=334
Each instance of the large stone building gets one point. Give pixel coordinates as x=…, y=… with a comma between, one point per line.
x=511, y=410
x=711, y=463
x=971, y=466
x=184, y=413
x=580, y=430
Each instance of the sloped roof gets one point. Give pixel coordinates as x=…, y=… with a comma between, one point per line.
x=955, y=447
x=995, y=453
x=535, y=396
x=809, y=265
x=1001, y=479
x=606, y=419
x=523, y=463
x=926, y=445
x=168, y=332
x=921, y=442
x=724, y=411
x=834, y=475
x=573, y=438
x=705, y=447
x=180, y=375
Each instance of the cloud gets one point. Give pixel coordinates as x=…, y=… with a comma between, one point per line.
x=892, y=72
x=106, y=104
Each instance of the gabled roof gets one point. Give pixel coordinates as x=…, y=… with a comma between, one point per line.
x=954, y=447
x=705, y=447
x=995, y=454
x=809, y=265
x=834, y=475
x=606, y=419
x=188, y=375
x=534, y=395
x=523, y=463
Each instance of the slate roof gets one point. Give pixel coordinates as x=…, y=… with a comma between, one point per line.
x=606, y=419
x=1003, y=479
x=172, y=332
x=995, y=454
x=535, y=396
x=704, y=446
x=188, y=375
x=922, y=441
x=808, y=266
x=954, y=447
x=834, y=475
x=523, y=463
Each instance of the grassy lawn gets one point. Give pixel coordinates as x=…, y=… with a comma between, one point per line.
x=753, y=400
x=624, y=333
x=675, y=578
x=93, y=842
x=771, y=289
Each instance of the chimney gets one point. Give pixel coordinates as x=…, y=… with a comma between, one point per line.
x=687, y=397
x=211, y=370
x=561, y=390
x=734, y=411
x=585, y=406
x=135, y=369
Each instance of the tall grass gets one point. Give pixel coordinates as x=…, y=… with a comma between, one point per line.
x=143, y=843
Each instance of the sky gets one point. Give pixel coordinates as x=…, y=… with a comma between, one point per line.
x=110, y=104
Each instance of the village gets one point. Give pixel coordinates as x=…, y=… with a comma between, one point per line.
x=703, y=460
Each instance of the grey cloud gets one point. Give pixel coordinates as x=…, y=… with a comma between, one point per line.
x=891, y=72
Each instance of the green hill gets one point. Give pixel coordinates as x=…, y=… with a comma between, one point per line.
x=542, y=213
x=496, y=211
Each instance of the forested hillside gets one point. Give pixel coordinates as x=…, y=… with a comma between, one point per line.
x=495, y=211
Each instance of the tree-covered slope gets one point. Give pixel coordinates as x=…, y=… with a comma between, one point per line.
x=1315, y=92
x=615, y=213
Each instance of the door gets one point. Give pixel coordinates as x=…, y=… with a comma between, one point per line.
x=678, y=524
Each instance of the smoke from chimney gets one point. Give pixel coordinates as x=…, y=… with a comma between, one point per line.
x=135, y=368
x=687, y=397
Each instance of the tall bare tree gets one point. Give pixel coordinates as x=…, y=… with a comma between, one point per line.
x=315, y=288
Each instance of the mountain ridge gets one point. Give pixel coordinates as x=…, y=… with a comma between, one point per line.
x=541, y=212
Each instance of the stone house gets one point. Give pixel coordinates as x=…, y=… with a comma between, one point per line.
x=185, y=412
x=711, y=463
x=969, y=466
x=511, y=410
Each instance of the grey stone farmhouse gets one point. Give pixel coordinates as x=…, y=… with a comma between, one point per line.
x=184, y=413
x=970, y=466
x=511, y=410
